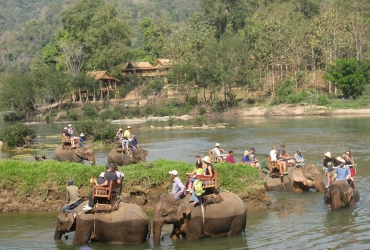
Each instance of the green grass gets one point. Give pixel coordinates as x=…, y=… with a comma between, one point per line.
x=36, y=178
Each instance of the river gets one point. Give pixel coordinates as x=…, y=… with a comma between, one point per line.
x=293, y=221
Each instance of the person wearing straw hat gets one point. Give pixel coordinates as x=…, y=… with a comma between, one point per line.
x=245, y=158
x=208, y=167
x=328, y=166
x=219, y=152
x=125, y=139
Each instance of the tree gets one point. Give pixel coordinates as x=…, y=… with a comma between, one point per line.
x=16, y=88
x=350, y=75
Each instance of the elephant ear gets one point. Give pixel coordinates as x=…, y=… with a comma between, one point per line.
x=183, y=211
x=79, y=152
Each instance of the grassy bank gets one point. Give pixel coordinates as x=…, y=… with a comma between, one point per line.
x=35, y=178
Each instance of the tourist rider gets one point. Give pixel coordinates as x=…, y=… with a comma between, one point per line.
x=284, y=156
x=342, y=172
x=219, y=152
x=198, y=171
x=299, y=160
x=245, y=158
x=81, y=140
x=328, y=166
x=73, y=198
x=230, y=157
x=108, y=177
x=350, y=162
x=252, y=157
x=125, y=141
x=209, y=171
x=198, y=191
x=119, y=135
x=72, y=135
x=177, y=186
x=281, y=164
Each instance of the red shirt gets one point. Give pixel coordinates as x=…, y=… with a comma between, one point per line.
x=230, y=159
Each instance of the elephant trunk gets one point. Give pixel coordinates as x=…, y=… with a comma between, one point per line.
x=58, y=234
x=335, y=199
x=157, y=228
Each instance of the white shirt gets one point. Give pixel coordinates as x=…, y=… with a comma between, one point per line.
x=273, y=155
x=217, y=151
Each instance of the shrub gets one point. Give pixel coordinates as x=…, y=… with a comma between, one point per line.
x=14, y=117
x=199, y=120
x=90, y=112
x=284, y=91
x=110, y=114
x=202, y=110
x=13, y=135
x=171, y=121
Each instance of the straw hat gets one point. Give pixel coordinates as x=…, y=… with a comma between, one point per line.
x=207, y=159
x=82, y=134
x=338, y=158
x=217, y=144
x=246, y=152
x=328, y=154
x=128, y=127
x=102, y=174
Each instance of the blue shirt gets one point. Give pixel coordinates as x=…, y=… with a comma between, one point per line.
x=177, y=186
x=342, y=173
x=81, y=141
x=245, y=159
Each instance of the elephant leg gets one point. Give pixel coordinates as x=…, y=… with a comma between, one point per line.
x=82, y=234
x=237, y=225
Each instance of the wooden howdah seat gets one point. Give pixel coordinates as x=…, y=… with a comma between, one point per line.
x=104, y=197
x=273, y=165
x=65, y=140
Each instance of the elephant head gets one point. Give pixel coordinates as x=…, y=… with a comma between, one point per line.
x=339, y=194
x=168, y=210
x=86, y=153
x=140, y=155
x=65, y=223
x=308, y=177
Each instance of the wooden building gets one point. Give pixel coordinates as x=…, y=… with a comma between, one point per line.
x=161, y=68
x=109, y=86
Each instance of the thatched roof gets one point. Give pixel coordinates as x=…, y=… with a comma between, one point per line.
x=163, y=63
x=137, y=65
x=102, y=75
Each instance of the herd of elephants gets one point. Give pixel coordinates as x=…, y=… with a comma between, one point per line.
x=131, y=225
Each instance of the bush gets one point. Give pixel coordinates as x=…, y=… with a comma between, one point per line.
x=13, y=135
x=284, y=91
x=171, y=121
x=110, y=114
x=14, y=117
x=199, y=120
x=202, y=110
x=90, y=112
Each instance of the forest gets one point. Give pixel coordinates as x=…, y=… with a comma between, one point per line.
x=225, y=53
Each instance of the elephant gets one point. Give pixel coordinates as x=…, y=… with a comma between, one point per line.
x=227, y=218
x=339, y=194
x=127, y=225
x=78, y=154
x=297, y=180
x=122, y=159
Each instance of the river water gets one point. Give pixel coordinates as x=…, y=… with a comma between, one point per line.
x=293, y=221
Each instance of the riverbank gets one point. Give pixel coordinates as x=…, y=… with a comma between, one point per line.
x=40, y=186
